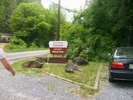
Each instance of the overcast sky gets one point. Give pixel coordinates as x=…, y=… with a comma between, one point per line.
x=70, y=4
x=65, y=3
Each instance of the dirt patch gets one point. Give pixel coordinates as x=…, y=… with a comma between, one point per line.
x=2, y=45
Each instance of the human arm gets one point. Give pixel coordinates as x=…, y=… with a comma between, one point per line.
x=7, y=66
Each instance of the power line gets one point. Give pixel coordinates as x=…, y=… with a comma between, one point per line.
x=65, y=10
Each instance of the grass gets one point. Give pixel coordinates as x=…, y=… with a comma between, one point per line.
x=86, y=77
x=22, y=50
x=6, y=48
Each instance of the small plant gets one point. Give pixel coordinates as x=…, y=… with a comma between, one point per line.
x=50, y=87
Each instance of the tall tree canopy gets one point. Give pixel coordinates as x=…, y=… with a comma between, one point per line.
x=29, y=20
x=6, y=8
x=104, y=25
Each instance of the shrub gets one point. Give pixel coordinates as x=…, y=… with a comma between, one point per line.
x=16, y=43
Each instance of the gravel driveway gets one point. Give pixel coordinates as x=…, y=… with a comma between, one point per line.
x=23, y=87
x=120, y=90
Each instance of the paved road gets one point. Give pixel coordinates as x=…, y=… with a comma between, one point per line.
x=21, y=55
x=12, y=57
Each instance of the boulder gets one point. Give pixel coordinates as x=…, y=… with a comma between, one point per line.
x=32, y=64
x=71, y=68
x=80, y=61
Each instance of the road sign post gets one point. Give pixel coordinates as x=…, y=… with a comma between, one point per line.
x=58, y=48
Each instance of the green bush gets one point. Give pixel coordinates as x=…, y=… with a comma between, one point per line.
x=16, y=43
x=33, y=45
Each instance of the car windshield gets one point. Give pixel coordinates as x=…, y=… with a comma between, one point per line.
x=124, y=53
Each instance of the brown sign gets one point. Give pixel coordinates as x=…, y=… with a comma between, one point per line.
x=58, y=47
x=57, y=50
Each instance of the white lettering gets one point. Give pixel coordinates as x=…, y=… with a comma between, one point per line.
x=61, y=44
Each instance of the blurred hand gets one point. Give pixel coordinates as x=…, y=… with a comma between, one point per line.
x=13, y=72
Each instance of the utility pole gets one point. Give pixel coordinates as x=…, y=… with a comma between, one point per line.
x=58, y=31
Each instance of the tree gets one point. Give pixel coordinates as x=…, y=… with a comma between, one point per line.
x=1, y=14
x=17, y=2
x=106, y=24
x=6, y=8
x=29, y=20
x=93, y=20
x=129, y=14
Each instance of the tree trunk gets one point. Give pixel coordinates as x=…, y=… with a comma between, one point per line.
x=127, y=5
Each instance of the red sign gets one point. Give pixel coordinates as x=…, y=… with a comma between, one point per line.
x=57, y=50
x=58, y=47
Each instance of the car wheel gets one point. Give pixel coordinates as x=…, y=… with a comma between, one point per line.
x=111, y=79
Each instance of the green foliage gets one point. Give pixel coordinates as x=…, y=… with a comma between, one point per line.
x=6, y=8
x=1, y=14
x=33, y=46
x=99, y=28
x=0, y=34
x=29, y=21
x=24, y=17
x=16, y=43
x=43, y=33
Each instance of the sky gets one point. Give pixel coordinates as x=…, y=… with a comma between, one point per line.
x=70, y=4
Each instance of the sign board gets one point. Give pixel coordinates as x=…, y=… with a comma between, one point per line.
x=58, y=47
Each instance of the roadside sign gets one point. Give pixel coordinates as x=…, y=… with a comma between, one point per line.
x=58, y=47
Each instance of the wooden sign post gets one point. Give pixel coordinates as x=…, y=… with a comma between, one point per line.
x=58, y=48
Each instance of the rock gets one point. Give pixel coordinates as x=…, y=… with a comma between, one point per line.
x=41, y=59
x=71, y=68
x=32, y=64
x=80, y=61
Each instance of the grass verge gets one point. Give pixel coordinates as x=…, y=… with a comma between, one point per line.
x=86, y=77
x=7, y=50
